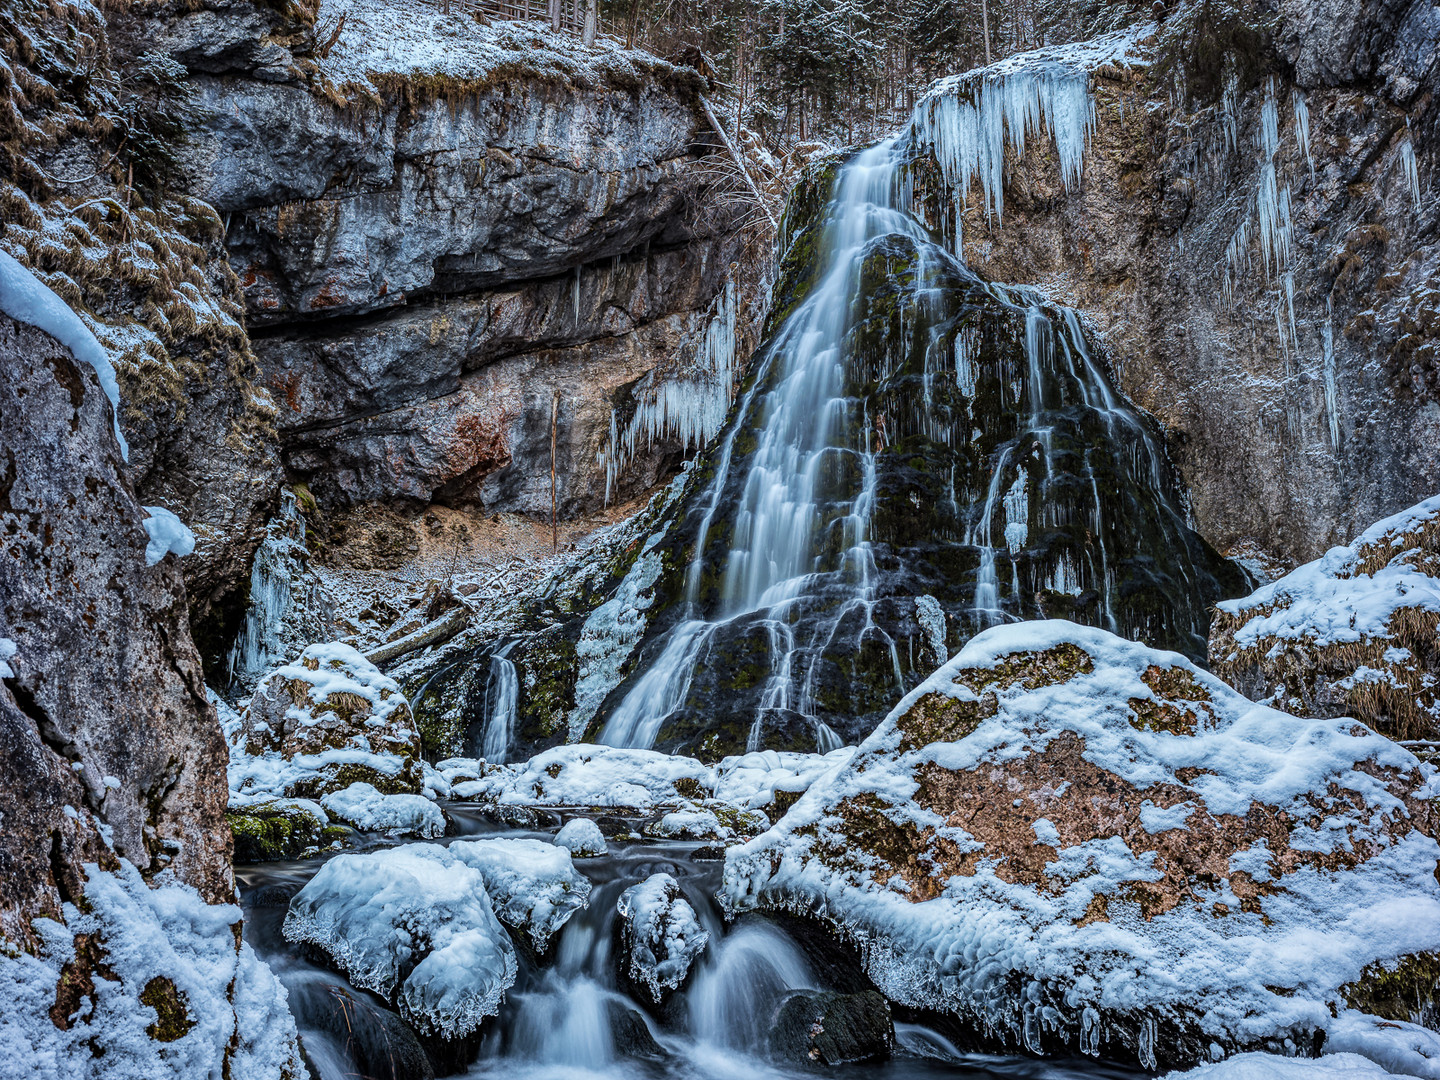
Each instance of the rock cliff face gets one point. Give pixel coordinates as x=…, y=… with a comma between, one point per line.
x=1296, y=375
x=107, y=701
x=441, y=264
x=120, y=938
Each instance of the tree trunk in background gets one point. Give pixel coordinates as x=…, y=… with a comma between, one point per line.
x=555, y=15
x=985, y=25
x=592, y=16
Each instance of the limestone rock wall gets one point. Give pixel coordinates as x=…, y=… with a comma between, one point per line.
x=1290, y=441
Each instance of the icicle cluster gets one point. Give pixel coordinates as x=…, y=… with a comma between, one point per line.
x=690, y=410
x=1411, y=167
x=968, y=121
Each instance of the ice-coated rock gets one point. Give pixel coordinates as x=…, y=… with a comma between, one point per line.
x=415, y=925
x=1065, y=838
x=587, y=775
x=582, y=837
x=364, y=807
x=533, y=886
x=662, y=936
x=1350, y=634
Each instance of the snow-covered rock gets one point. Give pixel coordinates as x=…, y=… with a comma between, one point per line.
x=415, y=925
x=772, y=780
x=582, y=838
x=1351, y=634
x=533, y=886
x=1260, y=1066
x=662, y=936
x=1065, y=838
x=362, y=806
x=712, y=821
x=586, y=775
x=330, y=698
x=143, y=984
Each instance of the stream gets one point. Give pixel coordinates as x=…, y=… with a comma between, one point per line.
x=570, y=1015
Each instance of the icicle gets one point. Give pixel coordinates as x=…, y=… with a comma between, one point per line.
x=967, y=122
x=1017, y=514
x=1090, y=1032
x=575, y=292
x=1332, y=396
x=690, y=410
x=1411, y=167
x=965, y=370
x=1230, y=114
x=1147, y=1042
x=1302, y=128
x=1269, y=133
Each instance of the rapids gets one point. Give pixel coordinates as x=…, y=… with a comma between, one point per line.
x=570, y=1015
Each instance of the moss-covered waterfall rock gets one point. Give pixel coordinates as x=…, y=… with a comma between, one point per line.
x=1070, y=841
x=1351, y=634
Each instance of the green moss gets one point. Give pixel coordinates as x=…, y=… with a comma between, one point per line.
x=410, y=780
x=1403, y=990
x=173, y=1021
x=267, y=833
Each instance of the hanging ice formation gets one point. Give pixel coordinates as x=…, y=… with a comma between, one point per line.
x=910, y=431
x=1409, y=165
x=691, y=408
x=288, y=607
x=1274, y=224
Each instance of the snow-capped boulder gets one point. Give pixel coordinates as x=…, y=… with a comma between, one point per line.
x=662, y=936
x=1351, y=634
x=712, y=821
x=582, y=838
x=414, y=924
x=533, y=886
x=364, y=807
x=331, y=698
x=587, y=775
x=1068, y=839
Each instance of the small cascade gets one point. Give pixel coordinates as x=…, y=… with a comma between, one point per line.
x=288, y=607
x=502, y=697
x=858, y=473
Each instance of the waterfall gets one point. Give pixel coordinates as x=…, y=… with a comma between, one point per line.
x=502, y=696
x=856, y=474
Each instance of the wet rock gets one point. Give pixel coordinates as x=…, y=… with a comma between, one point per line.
x=632, y=1034
x=267, y=831
x=103, y=702
x=373, y=1038
x=1351, y=634
x=660, y=934
x=815, y=1027
x=112, y=765
x=1058, y=812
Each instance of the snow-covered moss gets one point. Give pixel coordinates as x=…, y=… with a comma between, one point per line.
x=154, y=983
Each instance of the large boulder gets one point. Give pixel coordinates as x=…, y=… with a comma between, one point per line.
x=661, y=936
x=1068, y=840
x=111, y=760
x=1350, y=634
x=331, y=698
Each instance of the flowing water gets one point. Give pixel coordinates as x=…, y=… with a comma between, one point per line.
x=570, y=1014
x=911, y=436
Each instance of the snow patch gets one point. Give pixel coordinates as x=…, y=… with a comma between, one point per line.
x=167, y=533
x=582, y=838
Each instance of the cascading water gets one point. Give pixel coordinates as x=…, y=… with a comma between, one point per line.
x=909, y=430
x=502, y=695
x=572, y=1013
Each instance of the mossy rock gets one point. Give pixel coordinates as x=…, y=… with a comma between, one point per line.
x=410, y=780
x=1404, y=991
x=269, y=832
x=172, y=1018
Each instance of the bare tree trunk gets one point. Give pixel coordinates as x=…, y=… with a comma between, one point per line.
x=985, y=23
x=555, y=15
x=735, y=155
x=554, y=429
x=634, y=23
x=592, y=18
